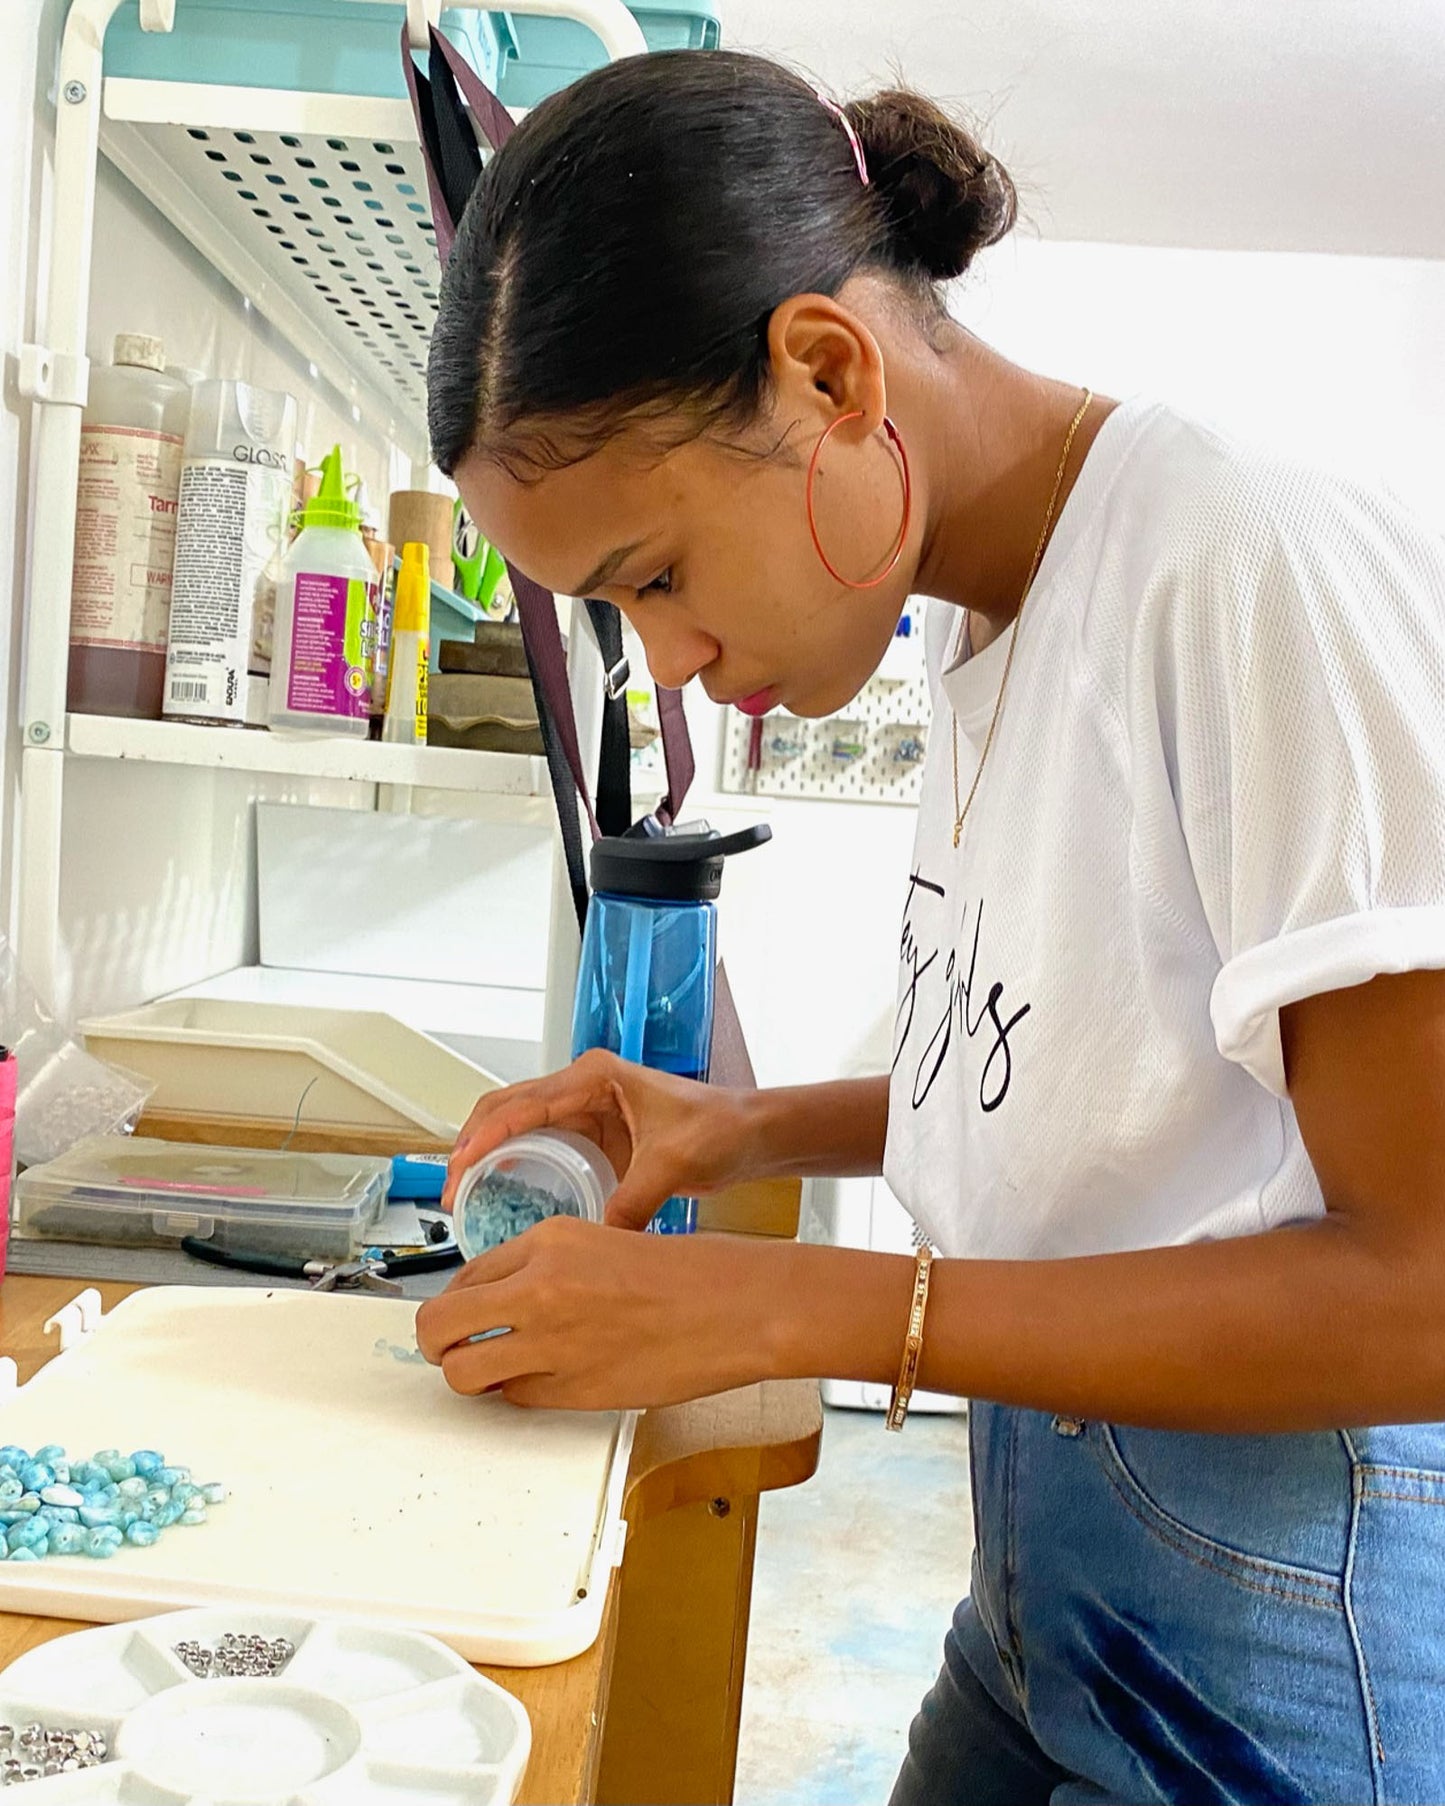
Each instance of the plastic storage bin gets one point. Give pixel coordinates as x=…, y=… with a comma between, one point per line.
x=539, y=56
x=140, y=1193
x=314, y=46
x=218, y=1058
x=548, y=1173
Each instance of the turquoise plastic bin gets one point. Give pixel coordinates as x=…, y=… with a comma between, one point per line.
x=353, y=46
x=314, y=46
x=539, y=56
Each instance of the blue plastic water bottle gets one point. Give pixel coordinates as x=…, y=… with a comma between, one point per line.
x=649, y=952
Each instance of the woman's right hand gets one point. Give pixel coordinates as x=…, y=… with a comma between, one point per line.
x=665, y=1136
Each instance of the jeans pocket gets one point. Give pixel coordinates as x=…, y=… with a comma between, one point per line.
x=1270, y=1514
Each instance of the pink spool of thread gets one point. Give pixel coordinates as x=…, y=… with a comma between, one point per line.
x=7, y=1147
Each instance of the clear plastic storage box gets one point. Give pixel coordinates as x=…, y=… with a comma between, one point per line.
x=140, y=1193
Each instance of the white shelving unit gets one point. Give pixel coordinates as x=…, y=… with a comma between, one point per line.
x=315, y=206
x=319, y=756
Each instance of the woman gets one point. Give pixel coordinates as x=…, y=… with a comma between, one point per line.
x=1168, y=1092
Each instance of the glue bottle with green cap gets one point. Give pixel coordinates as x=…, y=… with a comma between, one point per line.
x=326, y=613
x=405, y=720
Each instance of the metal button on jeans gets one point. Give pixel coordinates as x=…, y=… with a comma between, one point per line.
x=1068, y=1426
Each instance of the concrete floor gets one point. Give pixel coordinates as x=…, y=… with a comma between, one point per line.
x=857, y=1576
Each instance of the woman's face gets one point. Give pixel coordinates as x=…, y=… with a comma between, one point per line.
x=706, y=549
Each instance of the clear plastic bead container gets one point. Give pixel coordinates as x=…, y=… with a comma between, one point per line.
x=546, y=1173
x=129, y=1191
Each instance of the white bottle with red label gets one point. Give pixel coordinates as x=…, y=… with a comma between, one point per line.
x=131, y=436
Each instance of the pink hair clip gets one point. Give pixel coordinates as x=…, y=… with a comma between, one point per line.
x=847, y=125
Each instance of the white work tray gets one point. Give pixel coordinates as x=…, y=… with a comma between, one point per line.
x=217, y=1056
x=359, y=1716
x=360, y=1484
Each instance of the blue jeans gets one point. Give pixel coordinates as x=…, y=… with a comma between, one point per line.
x=1158, y=1616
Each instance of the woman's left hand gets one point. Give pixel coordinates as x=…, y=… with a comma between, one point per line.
x=603, y=1319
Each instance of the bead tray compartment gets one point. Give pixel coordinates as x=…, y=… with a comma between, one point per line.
x=360, y=1715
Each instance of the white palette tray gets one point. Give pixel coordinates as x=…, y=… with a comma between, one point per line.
x=361, y=1715
x=359, y=1483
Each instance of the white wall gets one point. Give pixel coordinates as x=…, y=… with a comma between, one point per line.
x=1337, y=358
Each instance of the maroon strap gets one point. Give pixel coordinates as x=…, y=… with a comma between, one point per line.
x=676, y=753
x=534, y=604
x=729, y=1063
x=543, y=638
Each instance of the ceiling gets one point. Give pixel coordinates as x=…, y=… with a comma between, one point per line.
x=1294, y=125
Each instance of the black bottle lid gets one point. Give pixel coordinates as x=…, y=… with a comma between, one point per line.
x=681, y=864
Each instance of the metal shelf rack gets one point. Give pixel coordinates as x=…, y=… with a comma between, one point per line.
x=315, y=206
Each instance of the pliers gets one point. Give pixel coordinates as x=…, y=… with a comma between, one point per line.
x=363, y=1275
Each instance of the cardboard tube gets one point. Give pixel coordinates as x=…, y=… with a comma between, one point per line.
x=425, y=517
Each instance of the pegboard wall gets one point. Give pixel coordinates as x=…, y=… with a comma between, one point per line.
x=870, y=752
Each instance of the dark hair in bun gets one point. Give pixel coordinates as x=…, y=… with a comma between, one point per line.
x=624, y=251
x=946, y=198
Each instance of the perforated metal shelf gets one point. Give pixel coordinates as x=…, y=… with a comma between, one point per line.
x=326, y=228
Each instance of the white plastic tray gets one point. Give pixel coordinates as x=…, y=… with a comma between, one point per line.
x=360, y=1485
x=217, y=1057
x=361, y=1715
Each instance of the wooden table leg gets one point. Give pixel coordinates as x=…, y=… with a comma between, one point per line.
x=671, y=1733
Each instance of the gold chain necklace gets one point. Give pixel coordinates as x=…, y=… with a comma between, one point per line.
x=961, y=814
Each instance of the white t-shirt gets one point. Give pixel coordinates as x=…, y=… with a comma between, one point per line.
x=1217, y=787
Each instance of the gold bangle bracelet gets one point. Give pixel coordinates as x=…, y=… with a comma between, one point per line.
x=913, y=1345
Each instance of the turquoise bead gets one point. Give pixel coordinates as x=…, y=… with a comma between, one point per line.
x=50, y=1505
